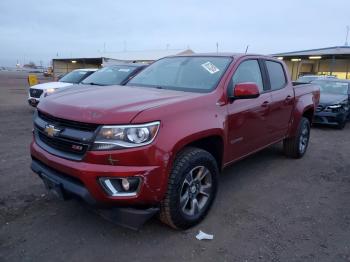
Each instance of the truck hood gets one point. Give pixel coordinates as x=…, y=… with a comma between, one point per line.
x=331, y=99
x=48, y=85
x=108, y=104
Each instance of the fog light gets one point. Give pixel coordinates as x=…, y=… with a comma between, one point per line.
x=125, y=184
x=121, y=186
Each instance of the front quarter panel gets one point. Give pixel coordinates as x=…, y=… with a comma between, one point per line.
x=183, y=123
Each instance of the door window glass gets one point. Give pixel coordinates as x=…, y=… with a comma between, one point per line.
x=248, y=71
x=276, y=75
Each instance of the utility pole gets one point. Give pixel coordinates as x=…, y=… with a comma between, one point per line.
x=217, y=47
x=347, y=35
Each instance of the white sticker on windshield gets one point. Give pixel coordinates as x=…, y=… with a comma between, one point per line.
x=210, y=67
x=124, y=70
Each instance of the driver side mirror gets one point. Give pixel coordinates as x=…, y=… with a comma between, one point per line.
x=246, y=90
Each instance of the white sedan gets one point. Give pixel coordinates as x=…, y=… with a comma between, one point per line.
x=39, y=91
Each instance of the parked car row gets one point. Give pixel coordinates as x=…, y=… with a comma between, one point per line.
x=158, y=143
x=40, y=91
x=334, y=106
x=111, y=75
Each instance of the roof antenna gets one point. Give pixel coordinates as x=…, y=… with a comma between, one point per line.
x=246, y=49
x=125, y=46
x=347, y=34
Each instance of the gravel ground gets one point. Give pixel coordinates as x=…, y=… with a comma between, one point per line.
x=268, y=208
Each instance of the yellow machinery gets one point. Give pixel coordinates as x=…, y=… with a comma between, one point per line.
x=32, y=80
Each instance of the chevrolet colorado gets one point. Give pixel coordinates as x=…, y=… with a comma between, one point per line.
x=158, y=144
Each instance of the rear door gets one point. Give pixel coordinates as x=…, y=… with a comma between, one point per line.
x=248, y=118
x=282, y=99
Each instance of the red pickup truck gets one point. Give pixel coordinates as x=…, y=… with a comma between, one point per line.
x=158, y=144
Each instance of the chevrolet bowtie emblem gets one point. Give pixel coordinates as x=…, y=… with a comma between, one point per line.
x=51, y=130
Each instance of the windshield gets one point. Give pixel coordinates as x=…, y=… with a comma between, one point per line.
x=74, y=77
x=112, y=75
x=192, y=74
x=333, y=87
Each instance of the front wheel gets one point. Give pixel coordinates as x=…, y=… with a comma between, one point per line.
x=295, y=147
x=342, y=124
x=191, y=189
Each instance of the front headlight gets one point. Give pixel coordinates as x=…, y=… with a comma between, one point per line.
x=50, y=91
x=335, y=106
x=128, y=136
x=342, y=105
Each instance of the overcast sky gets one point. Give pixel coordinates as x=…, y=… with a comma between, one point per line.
x=39, y=30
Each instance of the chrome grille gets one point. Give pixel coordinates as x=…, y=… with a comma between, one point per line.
x=35, y=92
x=70, y=140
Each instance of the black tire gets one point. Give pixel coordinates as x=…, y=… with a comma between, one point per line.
x=292, y=145
x=342, y=124
x=172, y=210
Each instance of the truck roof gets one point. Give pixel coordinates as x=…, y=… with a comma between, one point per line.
x=224, y=54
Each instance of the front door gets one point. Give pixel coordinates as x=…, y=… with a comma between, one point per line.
x=247, y=118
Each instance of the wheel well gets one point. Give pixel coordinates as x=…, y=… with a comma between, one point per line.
x=309, y=114
x=214, y=145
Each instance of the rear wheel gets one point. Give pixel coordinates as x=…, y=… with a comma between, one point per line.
x=191, y=189
x=295, y=147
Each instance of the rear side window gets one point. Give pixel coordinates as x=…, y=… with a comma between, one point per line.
x=276, y=75
x=248, y=71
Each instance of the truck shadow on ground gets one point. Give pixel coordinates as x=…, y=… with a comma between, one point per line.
x=230, y=179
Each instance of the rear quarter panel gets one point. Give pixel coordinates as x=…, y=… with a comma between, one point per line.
x=307, y=98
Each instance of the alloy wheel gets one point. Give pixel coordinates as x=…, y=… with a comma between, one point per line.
x=304, y=138
x=195, y=191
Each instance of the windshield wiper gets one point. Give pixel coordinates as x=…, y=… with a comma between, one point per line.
x=92, y=83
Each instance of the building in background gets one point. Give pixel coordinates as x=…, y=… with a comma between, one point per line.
x=65, y=65
x=323, y=61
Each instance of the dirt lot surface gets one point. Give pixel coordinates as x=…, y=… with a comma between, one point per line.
x=269, y=208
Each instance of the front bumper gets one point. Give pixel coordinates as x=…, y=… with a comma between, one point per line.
x=32, y=101
x=329, y=118
x=150, y=192
x=66, y=187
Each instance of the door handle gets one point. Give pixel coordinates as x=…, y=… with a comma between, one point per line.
x=288, y=99
x=265, y=104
